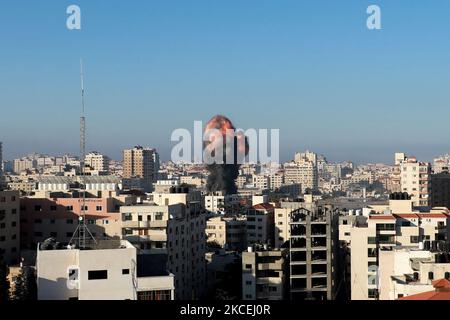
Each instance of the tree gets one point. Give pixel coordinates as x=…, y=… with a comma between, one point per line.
x=25, y=285
x=4, y=283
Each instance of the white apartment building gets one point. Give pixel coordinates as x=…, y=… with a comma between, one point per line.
x=97, y=161
x=386, y=227
x=110, y=270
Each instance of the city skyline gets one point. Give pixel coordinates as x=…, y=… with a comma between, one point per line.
x=318, y=73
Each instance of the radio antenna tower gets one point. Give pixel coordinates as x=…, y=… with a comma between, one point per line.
x=82, y=229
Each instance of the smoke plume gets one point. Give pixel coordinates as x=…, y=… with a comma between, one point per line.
x=222, y=176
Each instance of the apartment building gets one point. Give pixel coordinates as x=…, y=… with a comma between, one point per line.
x=10, y=226
x=303, y=173
x=23, y=164
x=406, y=271
x=282, y=217
x=217, y=202
x=264, y=274
x=314, y=246
x=143, y=163
x=57, y=217
x=260, y=224
x=413, y=177
x=387, y=226
x=229, y=232
x=109, y=270
x=97, y=162
x=261, y=181
x=173, y=224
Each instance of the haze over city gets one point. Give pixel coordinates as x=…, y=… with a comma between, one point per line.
x=313, y=71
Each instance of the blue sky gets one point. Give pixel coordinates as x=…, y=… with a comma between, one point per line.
x=310, y=68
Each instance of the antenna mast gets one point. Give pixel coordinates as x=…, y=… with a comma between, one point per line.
x=82, y=228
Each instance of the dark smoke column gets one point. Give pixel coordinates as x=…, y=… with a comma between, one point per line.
x=222, y=176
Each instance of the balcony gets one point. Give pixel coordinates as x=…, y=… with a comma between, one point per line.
x=144, y=224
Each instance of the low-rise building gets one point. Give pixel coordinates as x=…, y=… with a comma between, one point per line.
x=109, y=270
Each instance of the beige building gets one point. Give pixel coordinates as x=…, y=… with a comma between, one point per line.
x=141, y=163
x=109, y=270
x=229, y=232
x=260, y=224
x=406, y=271
x=10, y=226
x=413, y=177
x=264, y=274
x=282, y=217
x=386, y=227
x=97, y=162
x=172, y=224
x=303, y=173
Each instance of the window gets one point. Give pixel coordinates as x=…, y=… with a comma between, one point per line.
x=2, y=226
x=14, y=211
x=37, y=221
x=139, y=218
x=52, y=221
x=344, y=222
x=414, y=239
x=52, y=208
x=38, y=208
x=155, y=295
x=447, y=275
x=248, y=266
x=347, y=234
x=248, y=296
x=371, y=252
x=371, y=240
x=69, y=208
x=430, y=275
x=372, y=293
x=13, y=224
x=98, y=275
x=69, y=234
x=98, y=208
x=38, y=234
x=125, y=271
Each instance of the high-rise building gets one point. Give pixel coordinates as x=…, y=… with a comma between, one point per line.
x=172, y=224
x=314, y=246
x=413, y=177
x=97, y=162
x=141, y=163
